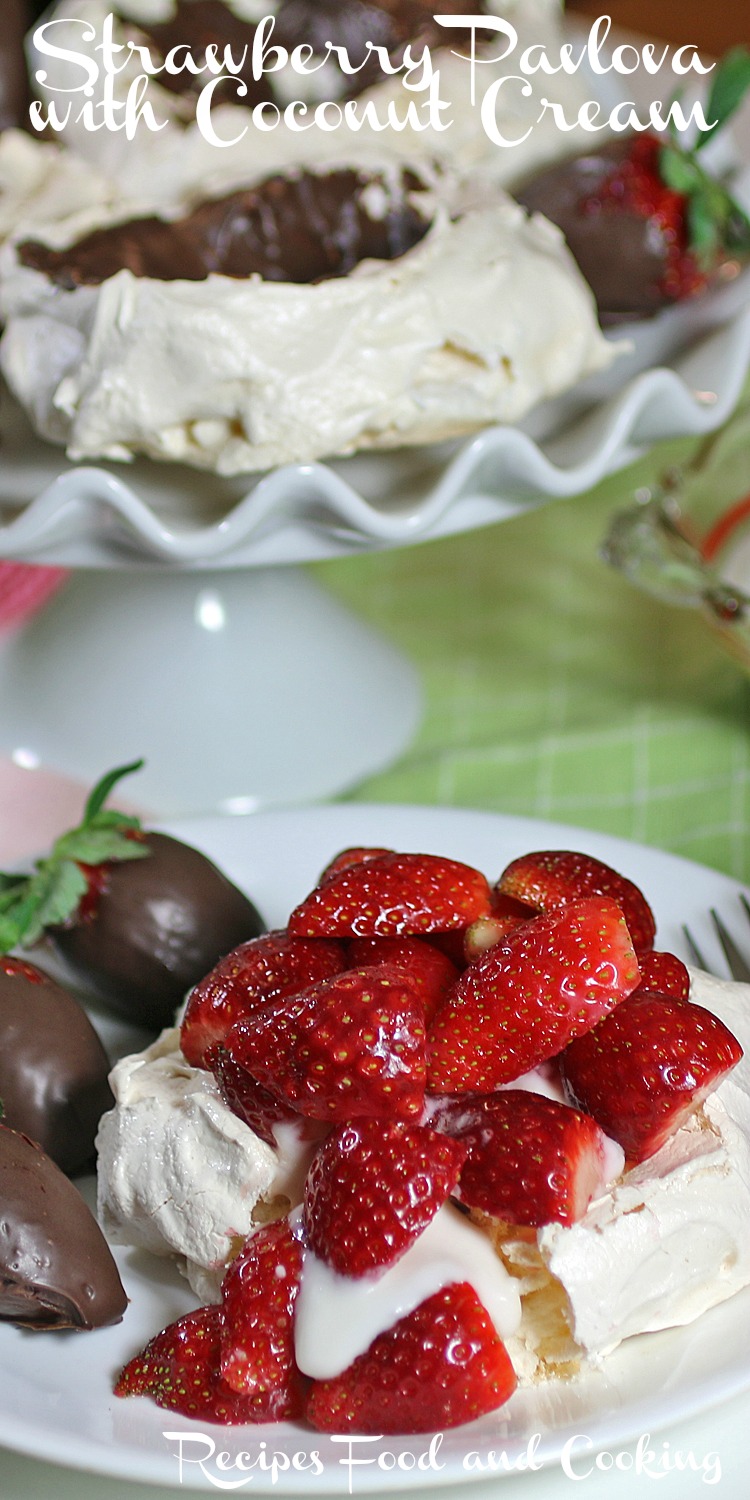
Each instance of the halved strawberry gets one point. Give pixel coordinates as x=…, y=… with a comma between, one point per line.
x=258, y=1296
x=506, y=914
x=257, y=1107
x=550, y=980
x=431, y=971
x=262, y=970
x=646, y=1068
x=179, y=1369
x=441, y=1365
x=352, y=1045
x=358, y=855
x=394, y=895
x=664, y=974
x=530, y=1160
x=552, y=877
x=373, y=1186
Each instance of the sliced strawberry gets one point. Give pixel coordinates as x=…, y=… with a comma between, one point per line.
x=646, y=1068
x=506, y=915
x=394, y=895
x=348, y=857
x=431, y=971
x=530, y=1160
x=664, y=974
x=258, y=1296
x=551, y=878
x=548, y=981
x=179, y=1369
x=373, y=1186
x=262, y=970
x=352, y=1045
x=257, y=1107
x=441, y=1365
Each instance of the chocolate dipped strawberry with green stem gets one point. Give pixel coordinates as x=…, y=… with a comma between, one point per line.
x=647, y=222
x=136, y=916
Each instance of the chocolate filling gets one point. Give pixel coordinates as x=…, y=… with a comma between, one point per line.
x=14, y=83
x=56, y=1268
x=350, y=24
x=303, y=228
x=621, y=254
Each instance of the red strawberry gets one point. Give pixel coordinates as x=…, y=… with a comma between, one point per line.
x=352, y=1045
x=372, y=1188
x=531, y=1160
x=257, y=1107
x=548, y=981
x=647, y=1067
x=505, y=916
x=431, y=971
x=394, y=895
x=441, y=1365
x=552, y=878
x=258, y=1296
x=348, y=857
x=179, y=1369
x=664, y=974
x=262, y=970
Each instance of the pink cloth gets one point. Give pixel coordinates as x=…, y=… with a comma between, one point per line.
x=24, y=589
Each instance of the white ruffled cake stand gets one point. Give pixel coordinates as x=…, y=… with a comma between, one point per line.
x=188, y=633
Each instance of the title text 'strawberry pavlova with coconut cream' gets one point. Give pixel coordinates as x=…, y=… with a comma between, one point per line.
x=485, y=1133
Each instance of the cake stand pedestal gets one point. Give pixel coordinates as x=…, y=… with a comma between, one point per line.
x=240, y=688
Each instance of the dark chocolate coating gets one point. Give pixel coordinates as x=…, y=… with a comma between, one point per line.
x=14, y=82
x=622, y=255
x=56, y=1268
x=158, y=926
x=303, y=228
x=53, y=1067
x=345, y=23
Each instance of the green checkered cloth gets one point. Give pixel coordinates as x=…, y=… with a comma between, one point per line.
x=553, y=688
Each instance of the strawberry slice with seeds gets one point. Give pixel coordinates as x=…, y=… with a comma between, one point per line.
x=646, y=1068
x=550, y=980
x=262, y=970
x=258, y=1296
x=441, y=1365
x=553, y=877
x=179, y=1369
x=664, y=974
x=257, y=1107
x=373, y=1186
x=530, y=1160
x=351, y=1045
x=431, y=971
x=358, y=855
x=394, y=895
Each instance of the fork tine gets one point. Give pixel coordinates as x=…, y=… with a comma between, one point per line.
x=738, y=965
x=695, y=952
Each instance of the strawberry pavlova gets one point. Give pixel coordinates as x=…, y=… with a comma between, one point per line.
x=433, y=1139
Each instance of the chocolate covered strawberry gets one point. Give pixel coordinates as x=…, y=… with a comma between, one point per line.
x=646, y=221
x=138, y=917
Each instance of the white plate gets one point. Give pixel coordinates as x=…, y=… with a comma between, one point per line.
x=55, y=1390
x=683, y=377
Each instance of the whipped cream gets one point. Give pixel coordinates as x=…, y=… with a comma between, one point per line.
x=449, y=1250
x=487, y=316
x=170, y=167
x=41, y=182
x=179, y=1173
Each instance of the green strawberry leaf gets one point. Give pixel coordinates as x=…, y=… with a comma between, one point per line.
x=730, y=85
x=703, y=227
x=678, y=170
x=98, y=846
x=103, y=788
x=51, y=896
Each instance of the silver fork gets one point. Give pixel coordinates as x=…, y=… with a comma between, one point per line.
x=737, y=963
